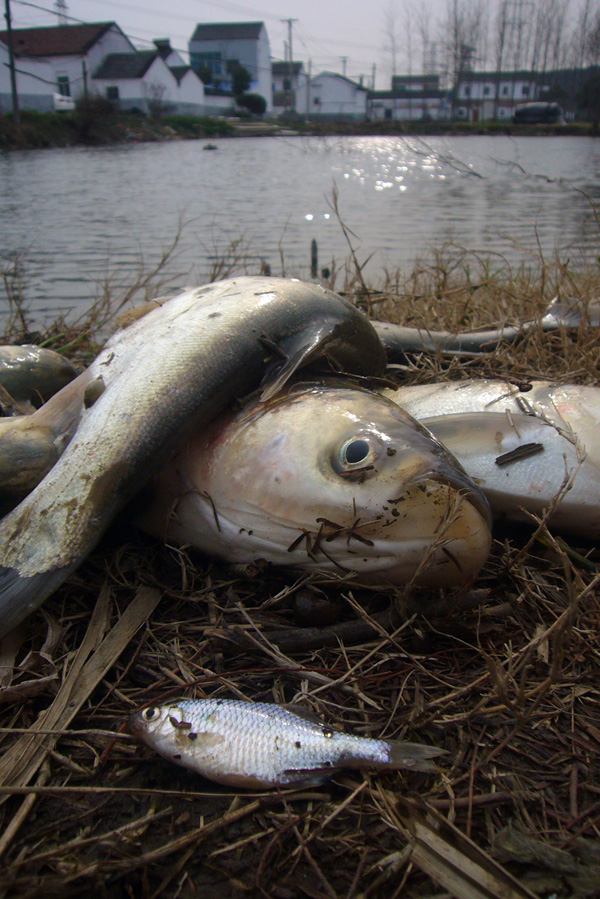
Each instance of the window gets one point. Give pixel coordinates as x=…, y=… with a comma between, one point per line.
x=487, y=90
x=467, y=90
x=525, y=90
x=64, y=88
x=112, y=92
x=505, y=90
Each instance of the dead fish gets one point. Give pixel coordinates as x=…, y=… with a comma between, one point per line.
x=165, y=376
x=32, y=374
x=522, y=448
x=325, y=477
x=259, y=745
x=30, y=445
x=401, y=342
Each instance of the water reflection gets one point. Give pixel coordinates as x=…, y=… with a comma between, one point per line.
x=82, y=216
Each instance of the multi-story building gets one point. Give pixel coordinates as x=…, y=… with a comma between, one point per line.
x=218, y=45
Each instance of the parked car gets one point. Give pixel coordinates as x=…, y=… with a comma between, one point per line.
x=538, y=113
x=63, y=104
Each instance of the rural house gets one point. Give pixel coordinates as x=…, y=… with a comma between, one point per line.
x=217, y=46
x=67, y=54
x=412, y=98
x=286, y=78
x=332, y=96
x=142, y=80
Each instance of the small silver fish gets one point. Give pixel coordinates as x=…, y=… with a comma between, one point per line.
x=258, y=745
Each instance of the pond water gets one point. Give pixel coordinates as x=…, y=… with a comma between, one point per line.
x=78, y=219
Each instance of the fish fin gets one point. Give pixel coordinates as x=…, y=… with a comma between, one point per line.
x=298, y=351
x=415, y=756
x=307, y=777
x=301, y=711
x=571, y=312
x=20, y=596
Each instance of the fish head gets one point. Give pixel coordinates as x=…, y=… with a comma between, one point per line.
x=326, y=477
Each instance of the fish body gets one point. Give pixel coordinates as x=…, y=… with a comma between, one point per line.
x=168, y=374
x=402, y=342
x=259, y=745
x=32, y=374
x=328, y=477
x=550, y=430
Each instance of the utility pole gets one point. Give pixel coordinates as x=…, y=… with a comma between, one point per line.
x=308, y=87
x=290, y=22
x=11, y=62
x=344, y=61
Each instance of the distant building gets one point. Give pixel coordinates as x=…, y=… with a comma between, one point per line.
x=332, y=96
x=172, y=57
x=143, y=81
x=66, y=53
x=412, y=98
x=286, y=78
x=217, y=45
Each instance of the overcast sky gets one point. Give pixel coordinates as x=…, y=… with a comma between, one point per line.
x=324, y=30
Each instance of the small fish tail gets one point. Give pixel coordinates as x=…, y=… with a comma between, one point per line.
x=415, y=756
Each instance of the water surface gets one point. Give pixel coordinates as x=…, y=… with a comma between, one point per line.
x=81, y=218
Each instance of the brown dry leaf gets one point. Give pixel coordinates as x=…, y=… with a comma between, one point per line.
x=454, y=861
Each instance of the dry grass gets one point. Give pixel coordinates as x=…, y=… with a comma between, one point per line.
x=505, y=678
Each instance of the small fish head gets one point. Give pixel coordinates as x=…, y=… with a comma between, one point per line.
x=156, y=723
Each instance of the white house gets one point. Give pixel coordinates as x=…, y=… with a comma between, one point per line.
x=36, y=84
x=173, y=58
x=142, y=80
x=332, y=96
x=287, y=77
x=70, y=52
x=493, y=95
x=217, y=45
x=412, y=98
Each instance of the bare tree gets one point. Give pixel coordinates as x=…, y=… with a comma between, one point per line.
x=392, y=42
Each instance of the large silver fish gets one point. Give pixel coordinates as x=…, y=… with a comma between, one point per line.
x=524, y=449
x=167, y=375
x=259, y=745
x=328, y=477
x=402, y=342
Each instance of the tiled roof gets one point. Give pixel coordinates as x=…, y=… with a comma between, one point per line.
x=126, y=65
x=180, y=71
x=227, y=31
x=59, y=40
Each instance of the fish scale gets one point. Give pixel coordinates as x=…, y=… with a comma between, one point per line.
x=259, y=744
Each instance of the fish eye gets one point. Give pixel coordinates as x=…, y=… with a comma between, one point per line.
x=354, y=451
x=151, y=713
x=355, y=458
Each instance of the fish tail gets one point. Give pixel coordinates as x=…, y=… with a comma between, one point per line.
x=392, y=754
x=415, y=756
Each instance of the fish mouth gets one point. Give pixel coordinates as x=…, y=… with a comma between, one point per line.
x=459, y=481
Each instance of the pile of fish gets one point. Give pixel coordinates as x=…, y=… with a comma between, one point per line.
x=315, y=470
x=245, y=418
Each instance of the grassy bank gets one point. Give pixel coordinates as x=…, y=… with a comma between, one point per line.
x=504, y=677
x=97, y=124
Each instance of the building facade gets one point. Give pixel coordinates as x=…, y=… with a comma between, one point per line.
x=217, y=46
x=70, y=52
x=332, y=96
x=412, y=98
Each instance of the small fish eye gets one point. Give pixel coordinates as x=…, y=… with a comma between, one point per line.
x=150, y=713
x=354, y=451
